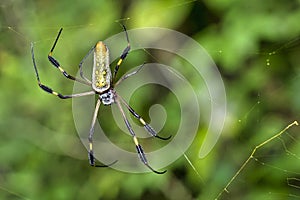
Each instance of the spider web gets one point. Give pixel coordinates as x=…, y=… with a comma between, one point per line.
x=279, y=146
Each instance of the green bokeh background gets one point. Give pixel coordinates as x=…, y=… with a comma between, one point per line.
x=256, y=47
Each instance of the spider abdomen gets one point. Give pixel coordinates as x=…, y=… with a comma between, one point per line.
x=101, y=77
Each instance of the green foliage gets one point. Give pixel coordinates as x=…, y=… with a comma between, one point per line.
x=256, y=47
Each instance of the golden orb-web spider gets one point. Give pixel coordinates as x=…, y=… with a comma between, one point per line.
x=102, y=84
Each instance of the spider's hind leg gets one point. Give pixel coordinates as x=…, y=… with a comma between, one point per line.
x=139, y=148
x=142, y=121
x=92, y=130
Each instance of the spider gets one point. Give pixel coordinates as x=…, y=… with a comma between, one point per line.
x=102, y=85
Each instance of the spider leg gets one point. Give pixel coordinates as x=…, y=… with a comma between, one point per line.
x=81, y=63
x=130, y=74
x=123, y=55
x=92, y=130
x=139, y=148
x=49, y=90
x=55, y=63
x=142, y=121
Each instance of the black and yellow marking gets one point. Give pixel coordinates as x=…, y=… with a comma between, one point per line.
x=119, y=62
x=123, y=55
x=139, y=148
x=102, y=85
x=90, y=139
x=42, y=86
x=48, y=89
x=142, y=121
x=55, y=63
x=92, y=130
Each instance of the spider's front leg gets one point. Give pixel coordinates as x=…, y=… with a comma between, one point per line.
x=55, y=63
x=48, y=89
x=123, y=55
